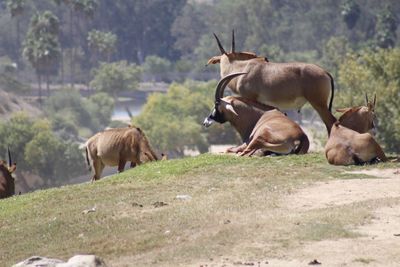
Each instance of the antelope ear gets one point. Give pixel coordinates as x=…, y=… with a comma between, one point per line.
x=343, y=110
x=12, y=168
x=214, y=60
x=231, y=109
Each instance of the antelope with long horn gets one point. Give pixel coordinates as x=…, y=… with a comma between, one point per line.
x=261, y=127
x=7, y=183
x=350, y=141
x=282, y=85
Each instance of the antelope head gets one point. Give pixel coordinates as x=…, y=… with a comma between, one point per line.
x=222, y=108
x=232, y=55
x=360, y=119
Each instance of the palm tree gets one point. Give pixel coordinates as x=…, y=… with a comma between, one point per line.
x=77, y=8
x=16, y=8
x=42, y=48
x=102, y=45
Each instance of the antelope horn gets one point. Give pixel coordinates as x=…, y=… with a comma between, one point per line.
x=233, y=42
x=366, y=99
x=9, y=156
x=219, y=45
x=219, y=92
x=374, y=99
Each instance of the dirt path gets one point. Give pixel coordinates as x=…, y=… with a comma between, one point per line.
x=379, y=241
x=379, y=244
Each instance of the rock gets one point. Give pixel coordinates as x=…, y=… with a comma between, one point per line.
x=183, y=197
x=36, y=261
x=75, y=261
x=83, y=261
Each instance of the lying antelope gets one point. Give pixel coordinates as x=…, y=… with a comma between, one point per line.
x=359, y=119
x=282, y=85
x=260, y=126
x=114, y=147
x=7, y=183
x=349, y=142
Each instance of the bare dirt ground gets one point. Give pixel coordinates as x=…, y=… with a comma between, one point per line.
x=378, y=242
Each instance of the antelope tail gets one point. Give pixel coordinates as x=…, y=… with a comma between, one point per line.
x=302, y=148
x=87, y=159
x=333, y=91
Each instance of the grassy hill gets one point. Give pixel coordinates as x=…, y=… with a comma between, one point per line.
x=236, y=206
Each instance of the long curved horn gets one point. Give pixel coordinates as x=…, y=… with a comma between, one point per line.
x=233, y=42
x=9, y=156
x=219, y=45
x=366, y=99
x=219, y=91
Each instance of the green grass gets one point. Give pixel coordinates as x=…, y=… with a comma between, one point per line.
x=235, y=205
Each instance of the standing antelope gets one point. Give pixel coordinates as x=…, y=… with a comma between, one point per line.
x=114, y=147
x=260, y=126
x=282, y=85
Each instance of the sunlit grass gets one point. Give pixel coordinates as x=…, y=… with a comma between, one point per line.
x=235, y=202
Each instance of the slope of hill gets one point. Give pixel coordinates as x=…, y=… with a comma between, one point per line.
x=10, y=103
x=214, y=210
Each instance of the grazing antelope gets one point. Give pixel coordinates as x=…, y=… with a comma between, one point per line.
x=114, y=147
x=7, y=183
x=260, y=126
x=282, y=85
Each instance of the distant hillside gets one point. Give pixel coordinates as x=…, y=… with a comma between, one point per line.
x=10, y=103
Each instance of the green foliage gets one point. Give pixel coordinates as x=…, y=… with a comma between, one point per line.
x=386, y=27
x=16, y=7
x=69, y=112
x=173, y=121
x=102, y=44
x=375, y=72
x=36, y=149
x=156, y=65
x=334, y=53
x=350, y=12
x=116, y=77
x=41, y=46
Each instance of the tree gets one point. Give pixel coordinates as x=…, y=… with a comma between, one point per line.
x=375, y=72
x=102, y=45
x=157, y=67
x=41, y=46
x=116, y=77
x=173, y=121
x=77, y=9
x=36, y=149
x=17, y=8
x=386, y=27
x=350, y=11
x=71, y=115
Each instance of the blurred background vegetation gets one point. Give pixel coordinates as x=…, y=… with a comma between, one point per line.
x=66, y=66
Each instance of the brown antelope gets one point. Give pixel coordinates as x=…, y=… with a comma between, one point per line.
x=282, y=85
x=261, y=127
x=350, y=141
x=347, y=147
x=7, y=183
x=359, y=119
x=114, y=147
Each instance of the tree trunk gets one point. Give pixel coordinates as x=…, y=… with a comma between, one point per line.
x=71, y=26
x=40, y=87
x=47, y=85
